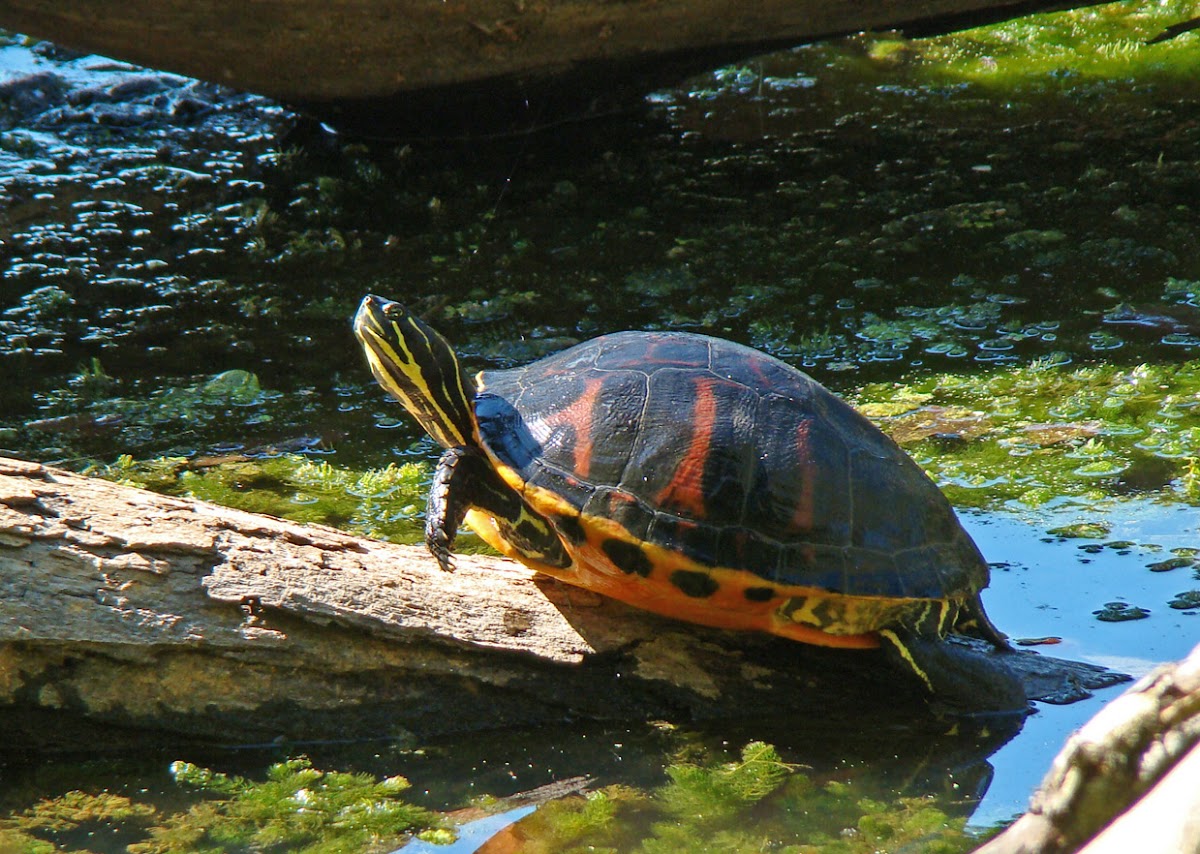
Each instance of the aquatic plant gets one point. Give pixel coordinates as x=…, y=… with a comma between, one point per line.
x=1029, y=434
x=296, y=809
x=1046, y=431
x=867, y=222
x=755, y=803
x=71, y=815
x=385, y=503
x=1061, y=50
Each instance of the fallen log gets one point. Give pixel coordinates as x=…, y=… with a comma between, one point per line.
x=1128, y=780
x=128, y=608
x=413, y=62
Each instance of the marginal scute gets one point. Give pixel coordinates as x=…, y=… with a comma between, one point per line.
x=627, y=557
x=528, y=531
x=622, y=508
x=698, y=540
x=698, y=585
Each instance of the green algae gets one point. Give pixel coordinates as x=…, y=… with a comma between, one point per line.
x=1189, y=600
x=1112, y=42
x=94, y=405
x=1025, y=434
x=1088, y=53
x=1090, y=530
x=386, y=503
x=837, y=245
x=1120, y=612
x=755, y=802
x=1046, y=432
x=1033, y=434
x=297, y=808
x=1170, y=564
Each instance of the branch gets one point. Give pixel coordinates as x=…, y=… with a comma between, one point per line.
x=125, y=607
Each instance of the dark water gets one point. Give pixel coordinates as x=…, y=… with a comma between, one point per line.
x=852, y=210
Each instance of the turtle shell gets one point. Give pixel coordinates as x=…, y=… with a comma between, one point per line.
x=716, y=466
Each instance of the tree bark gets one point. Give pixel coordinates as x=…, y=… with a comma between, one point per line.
x=404, y=64
x=130, y=608
x=1128, y=780
x=311, y=49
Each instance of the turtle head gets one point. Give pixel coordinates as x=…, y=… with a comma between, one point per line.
x=418, y=367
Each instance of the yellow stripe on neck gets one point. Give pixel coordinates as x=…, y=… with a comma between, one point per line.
x=398, y=370
x=907, y=656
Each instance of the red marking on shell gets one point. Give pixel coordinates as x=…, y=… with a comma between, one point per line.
x=802, y=516
x=617, y=495
x=579, y=416
x=685, y=492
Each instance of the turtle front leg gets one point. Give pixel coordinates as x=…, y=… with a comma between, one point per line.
x=450, y=497
x=464, y=479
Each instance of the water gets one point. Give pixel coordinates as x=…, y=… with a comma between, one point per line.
x=872, y=213
x=1051, y=589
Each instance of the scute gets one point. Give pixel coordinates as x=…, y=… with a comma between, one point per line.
x=693, y=454
x=731, y=458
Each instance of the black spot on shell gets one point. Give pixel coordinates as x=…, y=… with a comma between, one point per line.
x=698, y=585
x=570, y=527
x=759, y=594
x=627, y=557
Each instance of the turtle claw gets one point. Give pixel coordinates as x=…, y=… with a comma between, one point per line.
x=445, y=560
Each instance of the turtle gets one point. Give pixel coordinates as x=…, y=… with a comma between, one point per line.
x=703, y=480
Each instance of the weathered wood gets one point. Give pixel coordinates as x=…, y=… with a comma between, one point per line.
x=133, y=608
x=485, y=55
x=1142, y=749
